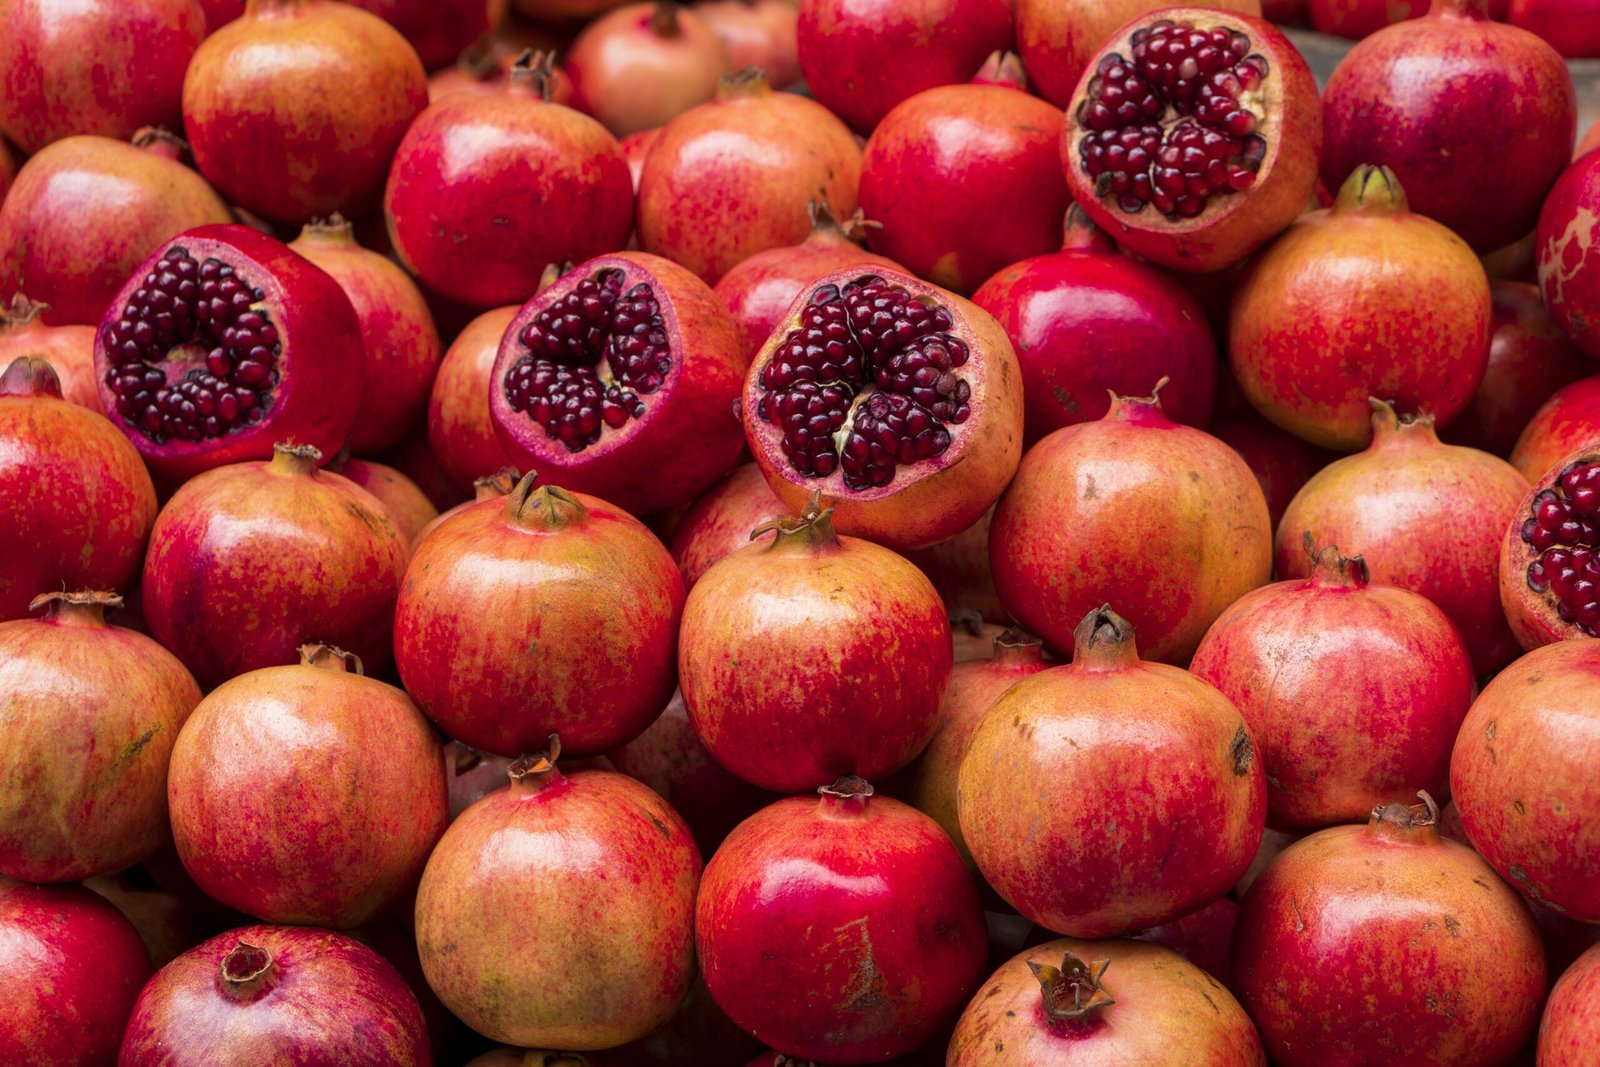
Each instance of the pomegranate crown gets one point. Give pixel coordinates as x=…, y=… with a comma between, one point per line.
x=1072, y=990
x=1407, y=817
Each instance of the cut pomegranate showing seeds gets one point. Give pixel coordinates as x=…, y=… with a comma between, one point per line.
x=1550, y=560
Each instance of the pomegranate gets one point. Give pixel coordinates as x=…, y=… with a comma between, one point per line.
x=1569, y=420
x=1356, y=19
x=1181, y=836
x=87, y=210
x=845, y=929
x=93, y=67
x=1571, y=26
x=439, y=31
x=221, y=12
x=1569, y=273
x=1077, y=520
x=1204, y=937
x=912, y=438
x=68, y=349
x=277, y=994
x=722, y=522
x=1281, y=462
x=958, y=567
x=1286, y=12
x=1425, y=516
x=495, y=486
x=407, y=504
x=459, y=426
x=250, y=561
x=1386, y=943
x=1567, y=1031
x=862, y=57
x=637, y=67
x=74, y=966
x=1194, y=172
x=636, y=149
x=1056, y=1004
x=75, y=502
x=1547, y=586
x=166, y=922
x=223, y=342
x=811, y=656
x=322, y=88
x=757, y=33
x=1087, y=322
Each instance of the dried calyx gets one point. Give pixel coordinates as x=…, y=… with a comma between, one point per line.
x=1072, y=991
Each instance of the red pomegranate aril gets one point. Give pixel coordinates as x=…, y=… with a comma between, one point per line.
x=1558, y=528
x=68, y=349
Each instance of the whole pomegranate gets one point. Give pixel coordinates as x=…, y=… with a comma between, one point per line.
x=1281, y=462
x=1548, y=566
x=1078, y=517
x=459, y=426
x=1568, y=421
x=494, y=487
x=609, y=870
x=637, y=67
x=87, y=210
x=168, y=924
x=959, y=569
x=1195, y=140
x=844, y=929
x=407, y=504
x=723, y=521
x=1567, y=1031
x=1061, y=751
x=757, y=33
x=1569, y=270
x=277, y=994
x=898, y=401
x=68, y=349
x=811, y=656
x=1356, y=19
x=636, y=149
x=1571, y=26
x=1203, y=937
x=221, y=12
x=439, y=30
x=1386, y=943
x=76, y=504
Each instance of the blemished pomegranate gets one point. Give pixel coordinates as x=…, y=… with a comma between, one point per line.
x=959, y=569
x=1357, y=19
x=1086, y=1003
x=1385, y=943
x=611, y=872
x=277, y=994
x=407, y=504
x=248, y=562
x=439, y=31
x=1087, y=322
x=545, y=612
x=757, y=33
x=1547, y=586
x=1571, y=27
x=1203, y=937
x=898, y=401
x=844, y=929
x=1281, y=462
x=223, y=342
x=459, y=426
x=1194, y=138
x=68, y=349
x=812, y=656
x=642, y=64
x=1569, y=271
x=75, y=502
x=1426, y=516
x=1077, y=519
x=1096, y=731
x=722, y=521
x=1567, y=1030
x=1568, y=421
x=86, y=211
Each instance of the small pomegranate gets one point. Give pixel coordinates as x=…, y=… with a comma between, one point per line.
x=494, y=487
x=459, y=426
x=721, y=521
x=1055, y=1004
x=1547, y=584
x=1567, y=1031
x=1194, y=170
x=68, y=349
x=1281, y=462
x=277, y=994
x=1356, y=19
x=757, y=33
x=1186, y=788
x=439, y=31
x=1569, y=271
x=75, y=502
x=1571, y=26
x=1568, y=421
x=959, y=569
x=642, y=64
x=845, y=929
x=812, y=656
x=1203, y=937
x=1386, y=943
x=1087, y=322
x=609, y=870
x=898, y=401
x=407, y=504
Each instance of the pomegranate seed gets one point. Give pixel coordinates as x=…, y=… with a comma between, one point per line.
x=1568, y=545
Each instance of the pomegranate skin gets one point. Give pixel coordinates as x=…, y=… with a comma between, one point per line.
x=639, y=66
x=1360, y=300
x=1281, y=462
x=1568, y=1028
x=1076, y=518
x=1569, y=273
x=1571, y=27
x=74, y=966
x=611, y=872
x=1567, y=422
x=1358, y=19
x=757, y=33
x=494, y=487
x=87, y=210
x=75, y=501
x=459, y=426
x=1182, y=836
x=439, y=31
x=723, y=521
x=1354, y=942
x=287, y=995
x=68, y=349
x=811, y=902
x=1204, y=937
x=958, y=567
x=407, y=504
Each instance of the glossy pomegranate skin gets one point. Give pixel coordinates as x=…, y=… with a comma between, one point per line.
x=459, y=426
x=100, y=67
x=1569, y=27
x=1358, y=19
x=1568, y=272
x=496, y=486
x=74, y=498
x=407, y=504
x=1568, y=421
x=810, y=902
x=74, y=966
x=322, y=997
x=1281, y=462
x=68, y=349
x=611, y=872
x=642, y=64
x=250, y=561
x=439, y=31
x=86, y=211
x=723, y=521
x=758, y=33
x=1352, y=945
x=812, y=656
x=1566, y=1032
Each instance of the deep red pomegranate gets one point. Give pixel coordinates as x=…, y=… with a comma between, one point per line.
x=1425, y=516
x=1109, y=733
x=959, y=569
x=1386, y=943
x=1569, y=269
x=1086, y=1003
x=1087, y=322
x=1548, y=587
x=407, y=504
x=898, y=401
x=223, y=342
x=862, y=57
x=1203, y=937
x=277, y=994
x=74, y=966
x=1078, y=519
x=439, y=31
x=609, y=870
x=639, y=66
x=1567, y=1030
x=75, y=502
x=323, y=89
x=1356, y=19
x=757, y=33
x=1568, y=421
x=68, y=349
x=493, y=487
x=459, y=425
x=811, y=656
x=1194, y=165
x=723, y=521
x=86, y=211
x=93, y=66
x=1281, y=462
x=250, y=561
x=1571, y=26
x=844, y=929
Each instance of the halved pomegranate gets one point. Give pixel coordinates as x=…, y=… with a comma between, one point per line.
x=897, y=401
x=1194, y=137
x=1550, y=559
